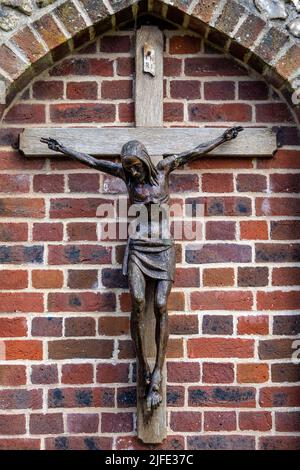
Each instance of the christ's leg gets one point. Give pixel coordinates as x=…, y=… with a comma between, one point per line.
x=163, y=289
x=136, y=282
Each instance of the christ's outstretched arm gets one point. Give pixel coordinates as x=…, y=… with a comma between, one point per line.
x=106, y=166
x=174, y=161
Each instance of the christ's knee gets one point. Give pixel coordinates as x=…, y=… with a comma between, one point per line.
x=161, y=306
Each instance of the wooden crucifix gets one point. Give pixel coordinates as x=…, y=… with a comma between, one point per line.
x=150, y=256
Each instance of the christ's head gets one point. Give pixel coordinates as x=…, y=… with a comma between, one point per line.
x=137, y=163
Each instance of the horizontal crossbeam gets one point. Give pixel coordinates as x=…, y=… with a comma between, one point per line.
x=107, y=142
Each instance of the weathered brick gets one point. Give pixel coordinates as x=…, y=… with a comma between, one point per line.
x=277, y=252
x=255, y=421
x=173, y=112
x=82, y=91
x=21, y=302
x=172, y=67
x=183, y=372
x=48, y=183
x=219, y=421
x=286, y=325
x=252, y=373
x=110, y=373
x=26, y=114
x=184, y=44
x=285, y=229
x=217, y=325
x=220, y=347
x=12, y=375
x=254, y=230
x=13, y=327
x=251, y=183
x=253, y=90
x=113, y=326
x=24, y=349
x=11, y=232
x=78, y=231
x=47, y=279
x=205, y=112
x=219, y=91
x=216, y=300
x=18, y=399
x=287, y=183
x=275, y=348
x=220, y=230
x=116, y=422
x=66, y=208
x=14, y=183
x=229, y=206
x=46, y=231
x=279, y=443
x=83, y=112
x=82, y=423
x=185, y=89
x=70, y=17
x=50, y=326
x=80, y=348
x=80, y=326
x=78, y=443
x=277, y=206
x=183, y=324
x=19, y=207
x=13, y=279
x=218, y=253
x=217, y=182
x=186, y=421
x=187, y=277
x=51, y=423
x=279, y=396
x=48, y=90
x=83, y=66
x=18, y=254
x=285, y=372
x=79, y=254
x=125, y=66
x=278, y=300
x=287, y=421
x=175, y=396
x=83, y=278
x=44, y=374
x=12, y=424
x=218, y=372
x=116, y=89
x=77, y=373
x=218, y=277
x=237, y=397
x=115, y=44
x=253, y=325
x=20, y=444
x=253, y=277
x=211, y=66
x=273, y=112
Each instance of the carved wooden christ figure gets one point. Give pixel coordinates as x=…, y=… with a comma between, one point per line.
x=150, y=253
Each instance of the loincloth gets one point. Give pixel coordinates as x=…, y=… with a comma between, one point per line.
x=154, y=257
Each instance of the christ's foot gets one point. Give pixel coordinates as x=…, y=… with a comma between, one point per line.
x=154, y=398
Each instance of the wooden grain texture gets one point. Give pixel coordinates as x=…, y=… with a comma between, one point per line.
x=107, y=142
x=151, y=426
x=149, y=89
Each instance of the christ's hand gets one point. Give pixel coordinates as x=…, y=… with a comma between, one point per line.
x=52, y=144
x=232, y=133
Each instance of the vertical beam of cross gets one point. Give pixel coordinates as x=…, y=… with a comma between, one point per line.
x=151, y=428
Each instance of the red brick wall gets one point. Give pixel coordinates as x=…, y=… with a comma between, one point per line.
x=68, y=378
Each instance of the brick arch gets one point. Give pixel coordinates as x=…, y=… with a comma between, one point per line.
x=64, y=26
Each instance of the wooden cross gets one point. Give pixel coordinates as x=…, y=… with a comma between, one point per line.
x=107, y=142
